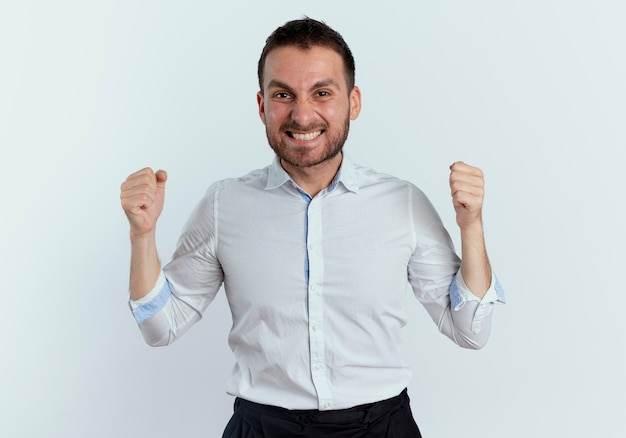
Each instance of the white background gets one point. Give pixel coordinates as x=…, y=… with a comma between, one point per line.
x=532, y=91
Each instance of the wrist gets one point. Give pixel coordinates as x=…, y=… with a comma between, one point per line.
x=473, y=229
x=139, y=237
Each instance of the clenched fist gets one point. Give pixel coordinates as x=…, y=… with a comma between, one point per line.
x=467, y=185
x=142, y=196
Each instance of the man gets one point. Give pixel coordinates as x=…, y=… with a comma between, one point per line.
x=314, y=253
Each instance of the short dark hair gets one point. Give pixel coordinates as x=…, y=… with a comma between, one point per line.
x=304, y=34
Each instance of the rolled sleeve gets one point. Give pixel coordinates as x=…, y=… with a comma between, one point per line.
x=460, y=295
x=153, y=302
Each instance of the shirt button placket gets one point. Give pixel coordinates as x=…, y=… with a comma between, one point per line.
x=316, y=304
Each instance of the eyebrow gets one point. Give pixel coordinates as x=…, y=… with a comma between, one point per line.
x=274, y=83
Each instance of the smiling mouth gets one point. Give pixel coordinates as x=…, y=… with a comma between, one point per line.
x=305, y=136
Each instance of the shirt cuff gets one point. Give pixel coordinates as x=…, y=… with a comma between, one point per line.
x=460, y=295
x=153, y=301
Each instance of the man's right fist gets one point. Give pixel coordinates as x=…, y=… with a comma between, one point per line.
x=142, y=196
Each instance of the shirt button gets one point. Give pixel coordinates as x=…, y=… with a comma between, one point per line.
x=326, y=405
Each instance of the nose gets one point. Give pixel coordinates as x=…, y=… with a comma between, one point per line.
x=302, y=113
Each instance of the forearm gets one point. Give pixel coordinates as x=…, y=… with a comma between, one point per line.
x=467, y=185
x=144, y=265
x=475, y=266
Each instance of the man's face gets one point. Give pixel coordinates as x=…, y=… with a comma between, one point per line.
x=305, y=105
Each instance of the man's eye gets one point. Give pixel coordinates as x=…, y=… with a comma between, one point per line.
x=282, y=95
x=323, y=93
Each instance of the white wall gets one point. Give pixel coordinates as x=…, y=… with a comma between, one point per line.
x=534, y=92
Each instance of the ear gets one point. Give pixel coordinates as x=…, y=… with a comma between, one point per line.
x=355, y=103
x=261, y=103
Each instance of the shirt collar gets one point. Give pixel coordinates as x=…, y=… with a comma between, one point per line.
x=347, y=175
x=276, y=175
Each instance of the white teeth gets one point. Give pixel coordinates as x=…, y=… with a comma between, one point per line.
x=307, y=136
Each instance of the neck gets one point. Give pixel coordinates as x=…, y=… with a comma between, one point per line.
x=314, y=179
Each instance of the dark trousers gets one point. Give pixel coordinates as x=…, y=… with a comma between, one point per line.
x=390, y=418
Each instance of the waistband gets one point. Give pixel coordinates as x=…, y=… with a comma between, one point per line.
x=363, y=413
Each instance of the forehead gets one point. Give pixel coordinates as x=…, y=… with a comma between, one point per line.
x=298, y=67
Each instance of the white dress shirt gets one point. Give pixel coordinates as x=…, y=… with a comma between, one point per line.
x=316, y=286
